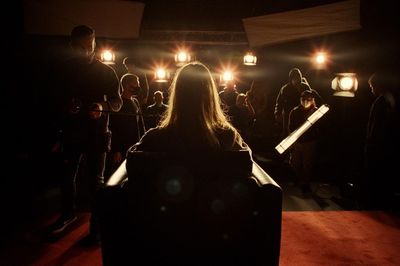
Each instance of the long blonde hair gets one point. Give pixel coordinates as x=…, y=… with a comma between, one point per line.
x=194, y=105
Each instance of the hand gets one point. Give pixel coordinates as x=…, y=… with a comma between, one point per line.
x=95, y=110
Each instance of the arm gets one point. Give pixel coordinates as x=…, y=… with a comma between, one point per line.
x=113, y=100
x=279, y=105
x=292, y=123
x=250, y=107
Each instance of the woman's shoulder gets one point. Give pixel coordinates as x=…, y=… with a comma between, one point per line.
x=154, y=139
x=230, y=139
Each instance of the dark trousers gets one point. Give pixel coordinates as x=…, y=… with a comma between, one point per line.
x=72, y=161
x=302, y=159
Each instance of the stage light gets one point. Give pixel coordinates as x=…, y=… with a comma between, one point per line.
x=320, y=58
x=249, y=59
x=107, y=57
x=225, y=77
x=345, y=84
x=295, y=135
x=182, y=57
x=161, y=75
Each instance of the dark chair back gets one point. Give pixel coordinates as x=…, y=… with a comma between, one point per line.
x=193, y=209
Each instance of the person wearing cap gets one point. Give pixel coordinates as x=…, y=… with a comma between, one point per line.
x=303, y=152
x=288, y=97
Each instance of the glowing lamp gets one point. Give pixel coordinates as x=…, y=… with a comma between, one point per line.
x=250, y=59
x=225, y=77
x=182, y=58
x=161, y=75
x=345, y=84
x=107, y=57
x=295, y=135
x=320, y=58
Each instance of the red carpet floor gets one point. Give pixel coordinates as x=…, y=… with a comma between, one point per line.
x=340, y=238
x=308, y=238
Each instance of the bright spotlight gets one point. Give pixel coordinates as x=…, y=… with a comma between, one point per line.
x=227, y=76
x=182, y=58
x=108, y=57
x=345, y=84
x=320, y=58
x=161, y=75
x=250, y=59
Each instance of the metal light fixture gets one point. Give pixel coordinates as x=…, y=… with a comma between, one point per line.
x=249, y=59
x=345, y=84
x=320, y=59
x=107, y=57
x=225, y=77
x=161, y=75
x=182, y=57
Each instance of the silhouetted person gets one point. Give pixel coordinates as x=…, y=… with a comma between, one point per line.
x=88, y=90
x=228, y=94
x=194, y=120
x=381, y=186
x=155, y=111
x=132, y=68
x=126, y=125
x=242, y=115
x=304, y=150
x=288, y=97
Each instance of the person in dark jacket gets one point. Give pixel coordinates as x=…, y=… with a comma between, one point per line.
x=132, y=68
x=127, y=125
x=380, y=187
x=88, y=91
x=288, y=97
x=303, y=152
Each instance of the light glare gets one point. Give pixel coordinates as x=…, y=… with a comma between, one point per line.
x=161, y=73
x=227, y=76
x=249, y=59
x=320, y=59
x=107, y=57
x=182, y=57
x=346, y=83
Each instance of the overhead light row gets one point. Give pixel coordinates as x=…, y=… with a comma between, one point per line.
x=181, y=57
x=344, y=84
